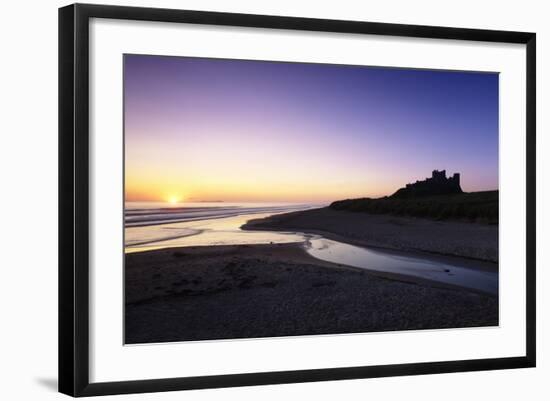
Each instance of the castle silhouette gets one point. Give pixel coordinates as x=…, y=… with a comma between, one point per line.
x=437, y=184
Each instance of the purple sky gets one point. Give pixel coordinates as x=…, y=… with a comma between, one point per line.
x=203, y=129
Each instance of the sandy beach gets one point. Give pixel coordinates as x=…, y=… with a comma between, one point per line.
x=248, y=291
x=466, y=240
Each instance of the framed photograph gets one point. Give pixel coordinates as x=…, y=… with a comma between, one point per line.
x=250, y=199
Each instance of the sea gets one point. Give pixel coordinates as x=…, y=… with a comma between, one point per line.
x=150, y=225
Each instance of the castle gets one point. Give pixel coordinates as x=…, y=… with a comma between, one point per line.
x=437, y=184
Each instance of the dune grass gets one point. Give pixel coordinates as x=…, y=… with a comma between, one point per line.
x=480, y=207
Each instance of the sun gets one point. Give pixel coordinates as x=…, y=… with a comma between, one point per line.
x=173, y=200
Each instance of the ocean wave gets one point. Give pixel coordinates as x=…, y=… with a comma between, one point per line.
x=138, y=217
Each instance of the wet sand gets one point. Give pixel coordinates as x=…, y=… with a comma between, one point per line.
x=467, y=240
x=250, y=291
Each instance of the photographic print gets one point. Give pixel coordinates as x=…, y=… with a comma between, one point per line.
x=267, y=199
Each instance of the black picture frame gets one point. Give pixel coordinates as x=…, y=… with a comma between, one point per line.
x=74, y=200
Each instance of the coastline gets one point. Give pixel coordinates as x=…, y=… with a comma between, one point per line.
x=250, y=291
x=449, y=238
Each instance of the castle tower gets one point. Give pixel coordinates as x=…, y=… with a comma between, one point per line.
x=456, y=178
x=439, y=175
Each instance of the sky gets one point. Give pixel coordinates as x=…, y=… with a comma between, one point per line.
x=200, y=129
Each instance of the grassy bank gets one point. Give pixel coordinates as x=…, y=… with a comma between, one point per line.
x=480, y=207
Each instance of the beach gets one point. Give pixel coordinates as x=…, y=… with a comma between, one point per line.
x=465, y=240
x=250, y=291
x=294, y=273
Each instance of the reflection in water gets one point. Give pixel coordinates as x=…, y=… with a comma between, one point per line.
x=226, y=231
x=456, y=271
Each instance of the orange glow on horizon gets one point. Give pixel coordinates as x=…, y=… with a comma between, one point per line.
x=257, y=192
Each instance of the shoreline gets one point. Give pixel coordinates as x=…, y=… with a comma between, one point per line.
x=248, y=291
x=425, y=237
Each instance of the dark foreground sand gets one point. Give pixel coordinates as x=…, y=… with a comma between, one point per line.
x=468, y=240
x=247, y=291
